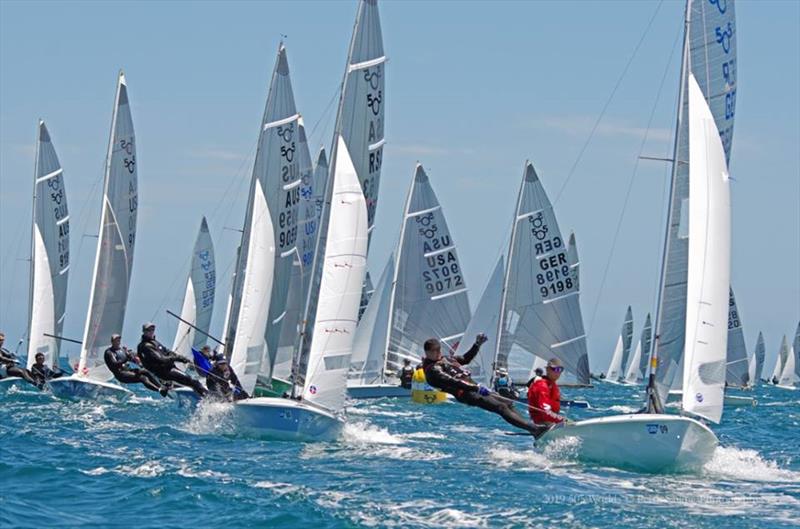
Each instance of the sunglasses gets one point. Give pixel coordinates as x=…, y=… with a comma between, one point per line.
x=555, y=369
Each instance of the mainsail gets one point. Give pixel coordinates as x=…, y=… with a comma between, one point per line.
x=49, y=253
x=616, y=369
x=756, y=364
x=540, y=308
x=637, y=366
x=737, y=368
x=198, y=302
x=572, y=256
x=339, y=268
x=114, y=260
x=709, y=53
x=796, y=347
x=708, y=278
x=788, y=376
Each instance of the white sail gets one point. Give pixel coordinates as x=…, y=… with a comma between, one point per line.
x=780, y=360
x=616, y=369
x=737, y=367
x=198, y=302
x=796, y=347
x=250, y=348
x=541, y=310
x=637, y=366
x=343, y=266
x=708, y=280
x=369, y=342
x=710, y=54
x=114, y=260
x=788, y=376
x=756, y=363
x=486, y=319
x=49, y=269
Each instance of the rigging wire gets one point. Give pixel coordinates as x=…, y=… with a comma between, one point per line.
x=608, y=103
x=630, y=184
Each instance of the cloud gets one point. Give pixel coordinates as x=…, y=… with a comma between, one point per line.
x=582, y=125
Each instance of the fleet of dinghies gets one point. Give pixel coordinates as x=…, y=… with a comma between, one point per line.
x=305, y=328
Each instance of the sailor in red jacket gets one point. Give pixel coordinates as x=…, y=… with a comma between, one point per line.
x=544, y=397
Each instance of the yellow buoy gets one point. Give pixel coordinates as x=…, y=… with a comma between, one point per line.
x=422, y=393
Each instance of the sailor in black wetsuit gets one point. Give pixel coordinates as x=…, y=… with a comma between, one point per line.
x=41, y=373
x=406, y=374
x=118, y=360
x=161, y=361
x=8, y=364
x=223, y=383
x=449, y=375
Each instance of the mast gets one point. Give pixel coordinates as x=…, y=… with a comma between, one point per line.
x=502, y=318
x=33, y=242
x=396, y=273
x=654, y=404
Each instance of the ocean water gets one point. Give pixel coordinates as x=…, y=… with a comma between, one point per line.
x=149, y=463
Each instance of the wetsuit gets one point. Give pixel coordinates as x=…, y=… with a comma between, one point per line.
x=118, y=361
x=448, y=375
x=161, y=362
x=222, y=386
x=406, y=377
x=505, y=388
x=544, y=401
x=9, y=361
x=43, y=373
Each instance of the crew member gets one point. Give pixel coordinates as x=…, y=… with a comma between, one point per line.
x=161, y=361
x=406, y=374
x=8, y=364
x=504, y=386
x=41, y=373
x=544, y=397
x=223, y=383
x=118, y=360
x=449, y=375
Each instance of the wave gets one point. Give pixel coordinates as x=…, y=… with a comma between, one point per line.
x=748, y=465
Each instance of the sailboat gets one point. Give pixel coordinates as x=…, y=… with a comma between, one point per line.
x=788, y=377
x=737, y=368
x=637, y=366
x=655, y=441
x=780, y=361
x=113, y=262
x=534, y=311
x=49, y=265
x=755, y=367
x=319, y=379
x=426, y=297
x=198, y=301
x=616, y=369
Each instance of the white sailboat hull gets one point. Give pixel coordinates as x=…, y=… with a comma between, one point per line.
x=376, y=391
x=185, y=397
x=642, y=442
x=286, y=420
x=76, y=387
x=792, y=388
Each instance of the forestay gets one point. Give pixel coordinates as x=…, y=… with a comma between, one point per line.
x=541, y=310
x=616, y=369
x=114, y=259
x=486, y=319
x=49, y=268
x=198, y=302
x=710, y=54
x=737, y=368
x=342, y=266
x=708, y=280
x=637, y=366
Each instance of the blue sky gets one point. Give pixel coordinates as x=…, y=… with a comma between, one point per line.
x=473, y=90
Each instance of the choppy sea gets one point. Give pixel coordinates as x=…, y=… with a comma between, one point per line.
x=149, y=463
